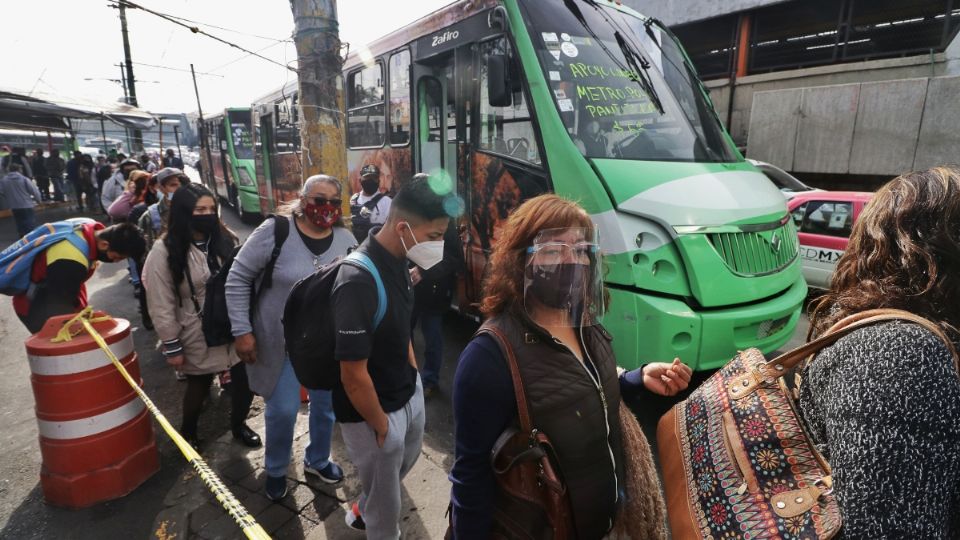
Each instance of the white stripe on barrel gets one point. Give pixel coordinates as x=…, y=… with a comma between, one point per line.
x=92, y=425
x=70, y=364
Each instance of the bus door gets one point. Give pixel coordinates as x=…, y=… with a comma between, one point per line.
x=224, y=191
x=263, y=152
x=436, y=149
x=443, y=88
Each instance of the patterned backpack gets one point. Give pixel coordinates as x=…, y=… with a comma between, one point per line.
x=16, y=261
x=737, y=461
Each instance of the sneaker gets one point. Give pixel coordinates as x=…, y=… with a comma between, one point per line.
x=179, y=375
x=353, y=518
x=331, y=474
x=276, y=487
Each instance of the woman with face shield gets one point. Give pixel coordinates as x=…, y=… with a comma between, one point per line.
x=544, y=298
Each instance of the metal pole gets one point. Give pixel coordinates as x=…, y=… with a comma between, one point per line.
x=176, y=137
x=103, y=133
x=137, y=135
x=196, y=92
x=160, y=121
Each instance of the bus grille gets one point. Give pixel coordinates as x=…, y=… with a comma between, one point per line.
x=757, y=253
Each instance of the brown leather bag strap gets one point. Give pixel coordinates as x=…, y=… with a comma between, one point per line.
x=523, y=410
x=790, y=360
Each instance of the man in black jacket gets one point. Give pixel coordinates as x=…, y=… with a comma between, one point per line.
x=433, y=292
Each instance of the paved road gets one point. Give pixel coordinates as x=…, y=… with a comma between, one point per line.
x=23, y=513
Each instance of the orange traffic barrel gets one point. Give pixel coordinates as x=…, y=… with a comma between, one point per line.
x=96, y=436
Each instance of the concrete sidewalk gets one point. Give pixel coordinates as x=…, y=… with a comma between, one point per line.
x=311, y=510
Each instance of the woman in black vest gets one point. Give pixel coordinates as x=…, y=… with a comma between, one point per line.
x=543, y=295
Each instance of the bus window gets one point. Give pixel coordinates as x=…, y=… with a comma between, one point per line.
x=431, y=140
x=240, y=133
x=287, y=137
x=366, y=123
x=505, y=130
x=400, y=98
x=450, y=73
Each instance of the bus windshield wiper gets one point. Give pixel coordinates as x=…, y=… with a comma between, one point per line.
x=640, y=66
x=634, y=59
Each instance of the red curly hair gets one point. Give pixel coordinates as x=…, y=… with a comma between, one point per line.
x=503, y=285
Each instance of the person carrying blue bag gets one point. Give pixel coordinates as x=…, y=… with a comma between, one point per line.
x=45, y=271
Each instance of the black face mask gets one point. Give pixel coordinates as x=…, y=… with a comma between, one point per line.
x=206, y=224
x=103, y=256
x=370, y=186
x=553, y=289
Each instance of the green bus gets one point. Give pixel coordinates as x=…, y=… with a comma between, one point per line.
x=227, y=161
x=595, y=102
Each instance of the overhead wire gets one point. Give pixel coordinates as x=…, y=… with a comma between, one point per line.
x=195, y=30
x=176, y=69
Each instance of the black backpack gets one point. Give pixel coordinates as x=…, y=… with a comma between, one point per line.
x=308, y=322
x=359, y=223
x=215, y=317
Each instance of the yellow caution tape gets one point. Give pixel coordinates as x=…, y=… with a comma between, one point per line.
x=250, y=527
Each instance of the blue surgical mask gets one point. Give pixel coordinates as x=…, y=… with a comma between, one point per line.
x=169, y=195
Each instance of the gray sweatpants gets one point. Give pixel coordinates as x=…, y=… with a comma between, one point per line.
x=382, y=469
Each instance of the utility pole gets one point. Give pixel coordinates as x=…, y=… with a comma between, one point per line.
x=132, y=87
x=322, y=131
x=201, y=131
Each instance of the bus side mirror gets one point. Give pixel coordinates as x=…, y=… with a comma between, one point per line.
x=499, y=89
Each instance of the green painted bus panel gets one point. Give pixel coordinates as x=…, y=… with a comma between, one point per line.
x=713, y=283
x=249, y=200
x=652, y=329
x=571, y=175
x=626, y=179
x=659, y=270
x=765, y=325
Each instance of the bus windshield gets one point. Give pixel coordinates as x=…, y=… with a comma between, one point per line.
x=240, y=133
x=622, y=85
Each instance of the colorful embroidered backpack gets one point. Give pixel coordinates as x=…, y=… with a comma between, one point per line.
x=737, y=461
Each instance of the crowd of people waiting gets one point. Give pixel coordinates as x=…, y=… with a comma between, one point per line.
x=867, y=402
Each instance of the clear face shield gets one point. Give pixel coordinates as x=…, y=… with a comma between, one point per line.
x=562, y=284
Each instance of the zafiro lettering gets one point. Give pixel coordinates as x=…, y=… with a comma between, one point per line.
x=449, y=35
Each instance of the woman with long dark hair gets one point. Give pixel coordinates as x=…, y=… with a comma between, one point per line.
x=176, y=272
x=883, y=403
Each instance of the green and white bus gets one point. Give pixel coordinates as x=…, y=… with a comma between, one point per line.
x=590, y=100
x=227, y=161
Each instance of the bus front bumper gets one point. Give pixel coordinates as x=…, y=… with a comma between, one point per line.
x=655, y=329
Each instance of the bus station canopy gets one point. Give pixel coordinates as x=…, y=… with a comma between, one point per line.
x=39, y=111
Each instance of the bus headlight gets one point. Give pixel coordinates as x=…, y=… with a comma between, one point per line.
x=244, y=177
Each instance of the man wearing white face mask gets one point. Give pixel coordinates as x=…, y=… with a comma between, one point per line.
x=433, y=291
x=379, y=402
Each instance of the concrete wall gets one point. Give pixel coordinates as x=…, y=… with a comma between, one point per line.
x=913, y=67
x=673, y=12
x=871, y=128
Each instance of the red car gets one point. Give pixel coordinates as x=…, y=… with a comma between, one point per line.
x=824, y=220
